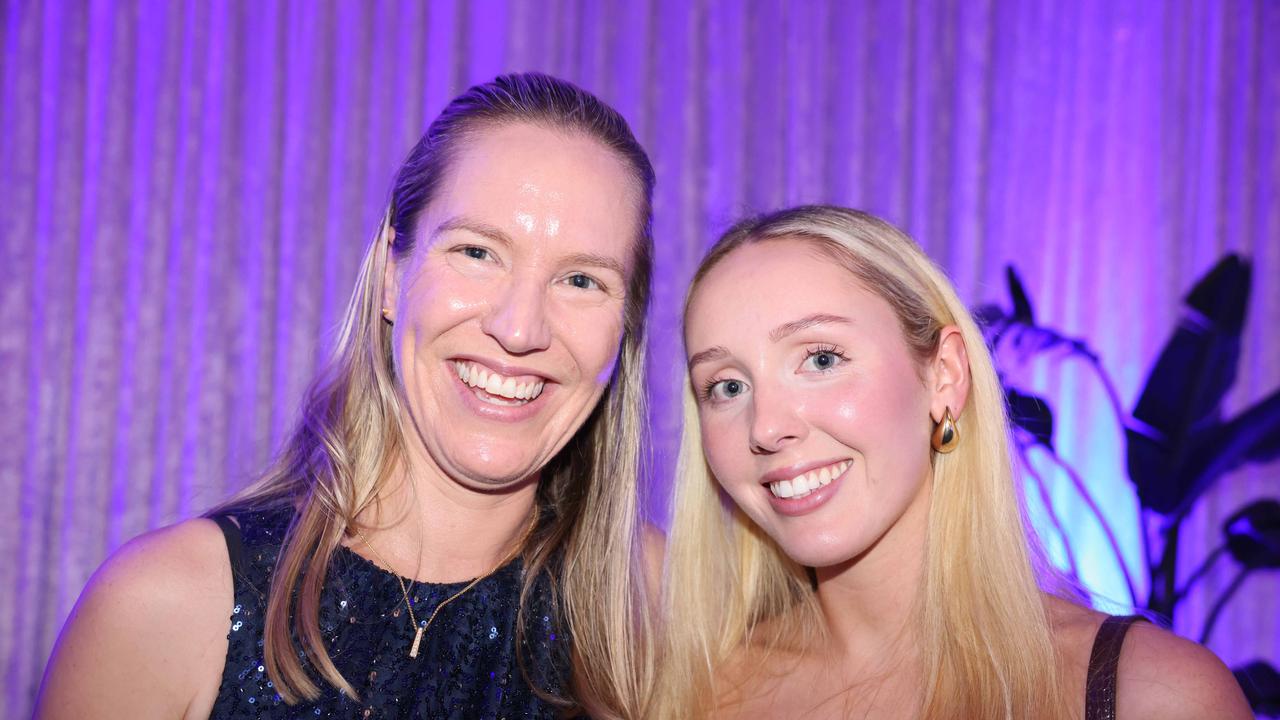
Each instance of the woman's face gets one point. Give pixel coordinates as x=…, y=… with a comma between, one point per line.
x=815, y=416
x=509, y=311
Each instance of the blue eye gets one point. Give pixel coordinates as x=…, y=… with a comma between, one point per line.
x=475, y=253
x=583, y=282
x=823, y=359
x=723, y=389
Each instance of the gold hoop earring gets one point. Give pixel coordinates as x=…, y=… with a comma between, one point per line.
x=946, y=436
x=386, y=314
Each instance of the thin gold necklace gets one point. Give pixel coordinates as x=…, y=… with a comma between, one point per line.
x=419, y=630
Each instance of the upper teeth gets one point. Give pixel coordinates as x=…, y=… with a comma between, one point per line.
x=491, y=382
x=805, y=483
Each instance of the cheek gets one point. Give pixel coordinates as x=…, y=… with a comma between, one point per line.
x=594, y=339
x=438, y=296
x=888, y=423
x=725, y=448
x=606, y=373
x=893, y=406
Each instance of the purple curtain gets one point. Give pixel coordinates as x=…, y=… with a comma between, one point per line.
x=185, y=190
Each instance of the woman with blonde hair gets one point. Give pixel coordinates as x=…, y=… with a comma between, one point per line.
x=450, y=529
x=848, y=539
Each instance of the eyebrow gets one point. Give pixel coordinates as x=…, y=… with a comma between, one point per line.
x=708, y=355
x=596, y=260
x=785, y=329
x=482, y=229
x=498, y=235
x=795, y=326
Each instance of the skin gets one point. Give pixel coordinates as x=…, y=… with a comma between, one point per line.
x=520, y=267
x=797, y=365
x=521, y=263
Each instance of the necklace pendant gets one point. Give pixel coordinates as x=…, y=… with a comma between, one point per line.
x=417, y=640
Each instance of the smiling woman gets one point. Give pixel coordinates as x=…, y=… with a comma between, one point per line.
x=520, y=283
x=848, y=539
x=450, y=529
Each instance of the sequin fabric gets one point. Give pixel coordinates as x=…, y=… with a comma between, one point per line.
x=466, y=666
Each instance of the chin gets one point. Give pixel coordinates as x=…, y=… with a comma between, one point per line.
x=491, y=471
x=819, y=558
x=820, y=552
x=498, y=477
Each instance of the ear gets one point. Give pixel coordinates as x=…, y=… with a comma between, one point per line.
x=390, y=277
x=948, y=375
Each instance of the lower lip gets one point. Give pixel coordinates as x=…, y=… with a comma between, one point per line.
x=491, y=411
x=794, y=506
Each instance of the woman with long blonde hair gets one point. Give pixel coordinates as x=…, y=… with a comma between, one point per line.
x=848, y=538
x=450, y=529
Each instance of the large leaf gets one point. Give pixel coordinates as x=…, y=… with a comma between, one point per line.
x=1031, y=413
x=1253, y=535
x=1267, y=446
x=1022, y=311
x=992, y=321
x=1184, y=391
x=1014, y=337
x=1221, y=448
x=1261, y=685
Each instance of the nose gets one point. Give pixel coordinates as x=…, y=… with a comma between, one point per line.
x=776, y=422
x=518, y=319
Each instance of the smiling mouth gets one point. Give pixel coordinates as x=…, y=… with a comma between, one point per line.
x=497, y=389
x=805, y=483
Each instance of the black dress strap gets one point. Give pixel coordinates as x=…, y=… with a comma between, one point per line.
x=1104, y=662
x=235, y=544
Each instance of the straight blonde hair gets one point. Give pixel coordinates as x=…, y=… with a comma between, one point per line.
x=339, y=457
x=981, y=623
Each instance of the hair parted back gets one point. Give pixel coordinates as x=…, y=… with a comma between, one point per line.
x=980, y=620
x=340, y=454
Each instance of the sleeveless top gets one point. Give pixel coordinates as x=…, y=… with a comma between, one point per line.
x=467, y=665
x=1104, y=662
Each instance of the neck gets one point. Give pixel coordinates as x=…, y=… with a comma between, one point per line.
x=869, y=602
x=431, y=528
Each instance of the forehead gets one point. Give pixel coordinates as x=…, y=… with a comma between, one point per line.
x=760, y=286
x=522, y=174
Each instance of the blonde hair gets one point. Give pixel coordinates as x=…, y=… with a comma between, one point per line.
x=339, y=457
x=980, y=619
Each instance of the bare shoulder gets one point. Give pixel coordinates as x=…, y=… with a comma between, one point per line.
x=147, y=638
x=1162, y=675
x=1074, y=627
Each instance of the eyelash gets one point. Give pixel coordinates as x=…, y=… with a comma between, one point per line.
x=825, y=350
x=704, y=394
x=596, y=283
x=467, y=250
x=709, y=386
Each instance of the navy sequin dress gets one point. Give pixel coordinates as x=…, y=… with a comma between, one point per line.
x=466, y=666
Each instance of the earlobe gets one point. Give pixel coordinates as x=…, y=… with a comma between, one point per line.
x=390, y=277
x=950, y=375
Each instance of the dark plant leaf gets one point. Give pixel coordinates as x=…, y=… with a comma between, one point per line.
x=1022, y=311
x=1185, y=388
x=1030, y=342
x=992, y=321
x=1253, y=535
x=1031, y=413
x=1222, y=448
x=1267, y=446
x=1266, y=449
x=1261, y=685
